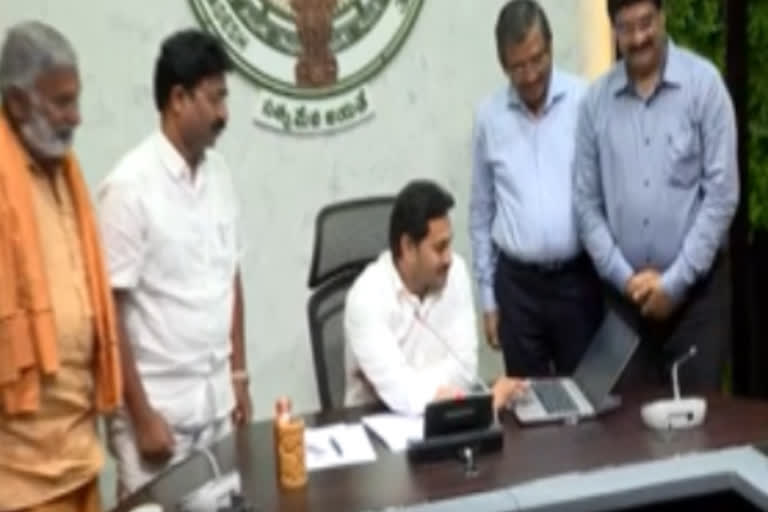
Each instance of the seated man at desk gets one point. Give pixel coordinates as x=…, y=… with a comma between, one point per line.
x=409, y=321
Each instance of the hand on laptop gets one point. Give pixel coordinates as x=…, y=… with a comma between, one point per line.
x=506, y=389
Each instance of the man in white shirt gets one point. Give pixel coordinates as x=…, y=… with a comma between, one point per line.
x=169, y=219
x=409, y=320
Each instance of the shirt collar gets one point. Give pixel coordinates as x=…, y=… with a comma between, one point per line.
x=175, y=164
x=401, y=291
x=555, y=92
x=671, y=73
x=388, y=261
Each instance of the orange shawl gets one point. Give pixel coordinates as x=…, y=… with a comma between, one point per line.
x=28, y=338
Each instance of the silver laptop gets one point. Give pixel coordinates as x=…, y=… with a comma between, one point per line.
x=588, y=392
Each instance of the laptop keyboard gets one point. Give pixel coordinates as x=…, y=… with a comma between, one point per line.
x=553, y=396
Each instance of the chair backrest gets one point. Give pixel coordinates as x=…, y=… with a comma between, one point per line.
x=348, y=235
x=326, y=330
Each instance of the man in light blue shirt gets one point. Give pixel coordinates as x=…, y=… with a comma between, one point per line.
x=655, y=190
x=540, y=295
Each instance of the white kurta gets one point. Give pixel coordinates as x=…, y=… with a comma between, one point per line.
x=402, y=349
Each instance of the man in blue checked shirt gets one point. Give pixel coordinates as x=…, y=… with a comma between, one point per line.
x=542, y=300
x=655, y=191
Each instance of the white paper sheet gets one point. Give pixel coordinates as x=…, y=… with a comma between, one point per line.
x=396, y=430
x=337, y=445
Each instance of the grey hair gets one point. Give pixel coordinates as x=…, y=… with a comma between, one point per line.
x=30, y=49
x=515, y=20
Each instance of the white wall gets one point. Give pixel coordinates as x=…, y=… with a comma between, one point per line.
x=424, y=102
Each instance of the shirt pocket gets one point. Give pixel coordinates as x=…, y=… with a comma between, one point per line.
x=506, y=135
x=179, y=249
x=683, y=147
x=223, y=248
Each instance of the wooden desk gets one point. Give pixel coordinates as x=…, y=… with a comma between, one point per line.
x=533, y=452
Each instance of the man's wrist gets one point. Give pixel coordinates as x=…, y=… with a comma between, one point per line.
x=488, y=299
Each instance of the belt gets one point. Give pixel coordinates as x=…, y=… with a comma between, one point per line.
x=579, y=262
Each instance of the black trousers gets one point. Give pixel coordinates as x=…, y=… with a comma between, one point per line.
x=703, y=319
x=547, y=317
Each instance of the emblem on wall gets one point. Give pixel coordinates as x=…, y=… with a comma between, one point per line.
x=311, y=59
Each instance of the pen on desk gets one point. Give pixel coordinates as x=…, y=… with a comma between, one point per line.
x=336, y=447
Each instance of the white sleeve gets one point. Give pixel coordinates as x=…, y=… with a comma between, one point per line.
x=463, y=330
x=123, y=232
x=381, y=360
x=240, y=245
x=230, y=197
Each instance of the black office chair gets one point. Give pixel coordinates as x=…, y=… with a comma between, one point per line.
x=348, y=235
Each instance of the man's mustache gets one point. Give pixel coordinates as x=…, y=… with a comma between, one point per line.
x=219, y=126
x=641, y=47
x=65, y=136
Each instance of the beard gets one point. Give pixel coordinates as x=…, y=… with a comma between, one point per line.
x=42, y=138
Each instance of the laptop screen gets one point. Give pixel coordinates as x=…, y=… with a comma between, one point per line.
x=605, y=358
